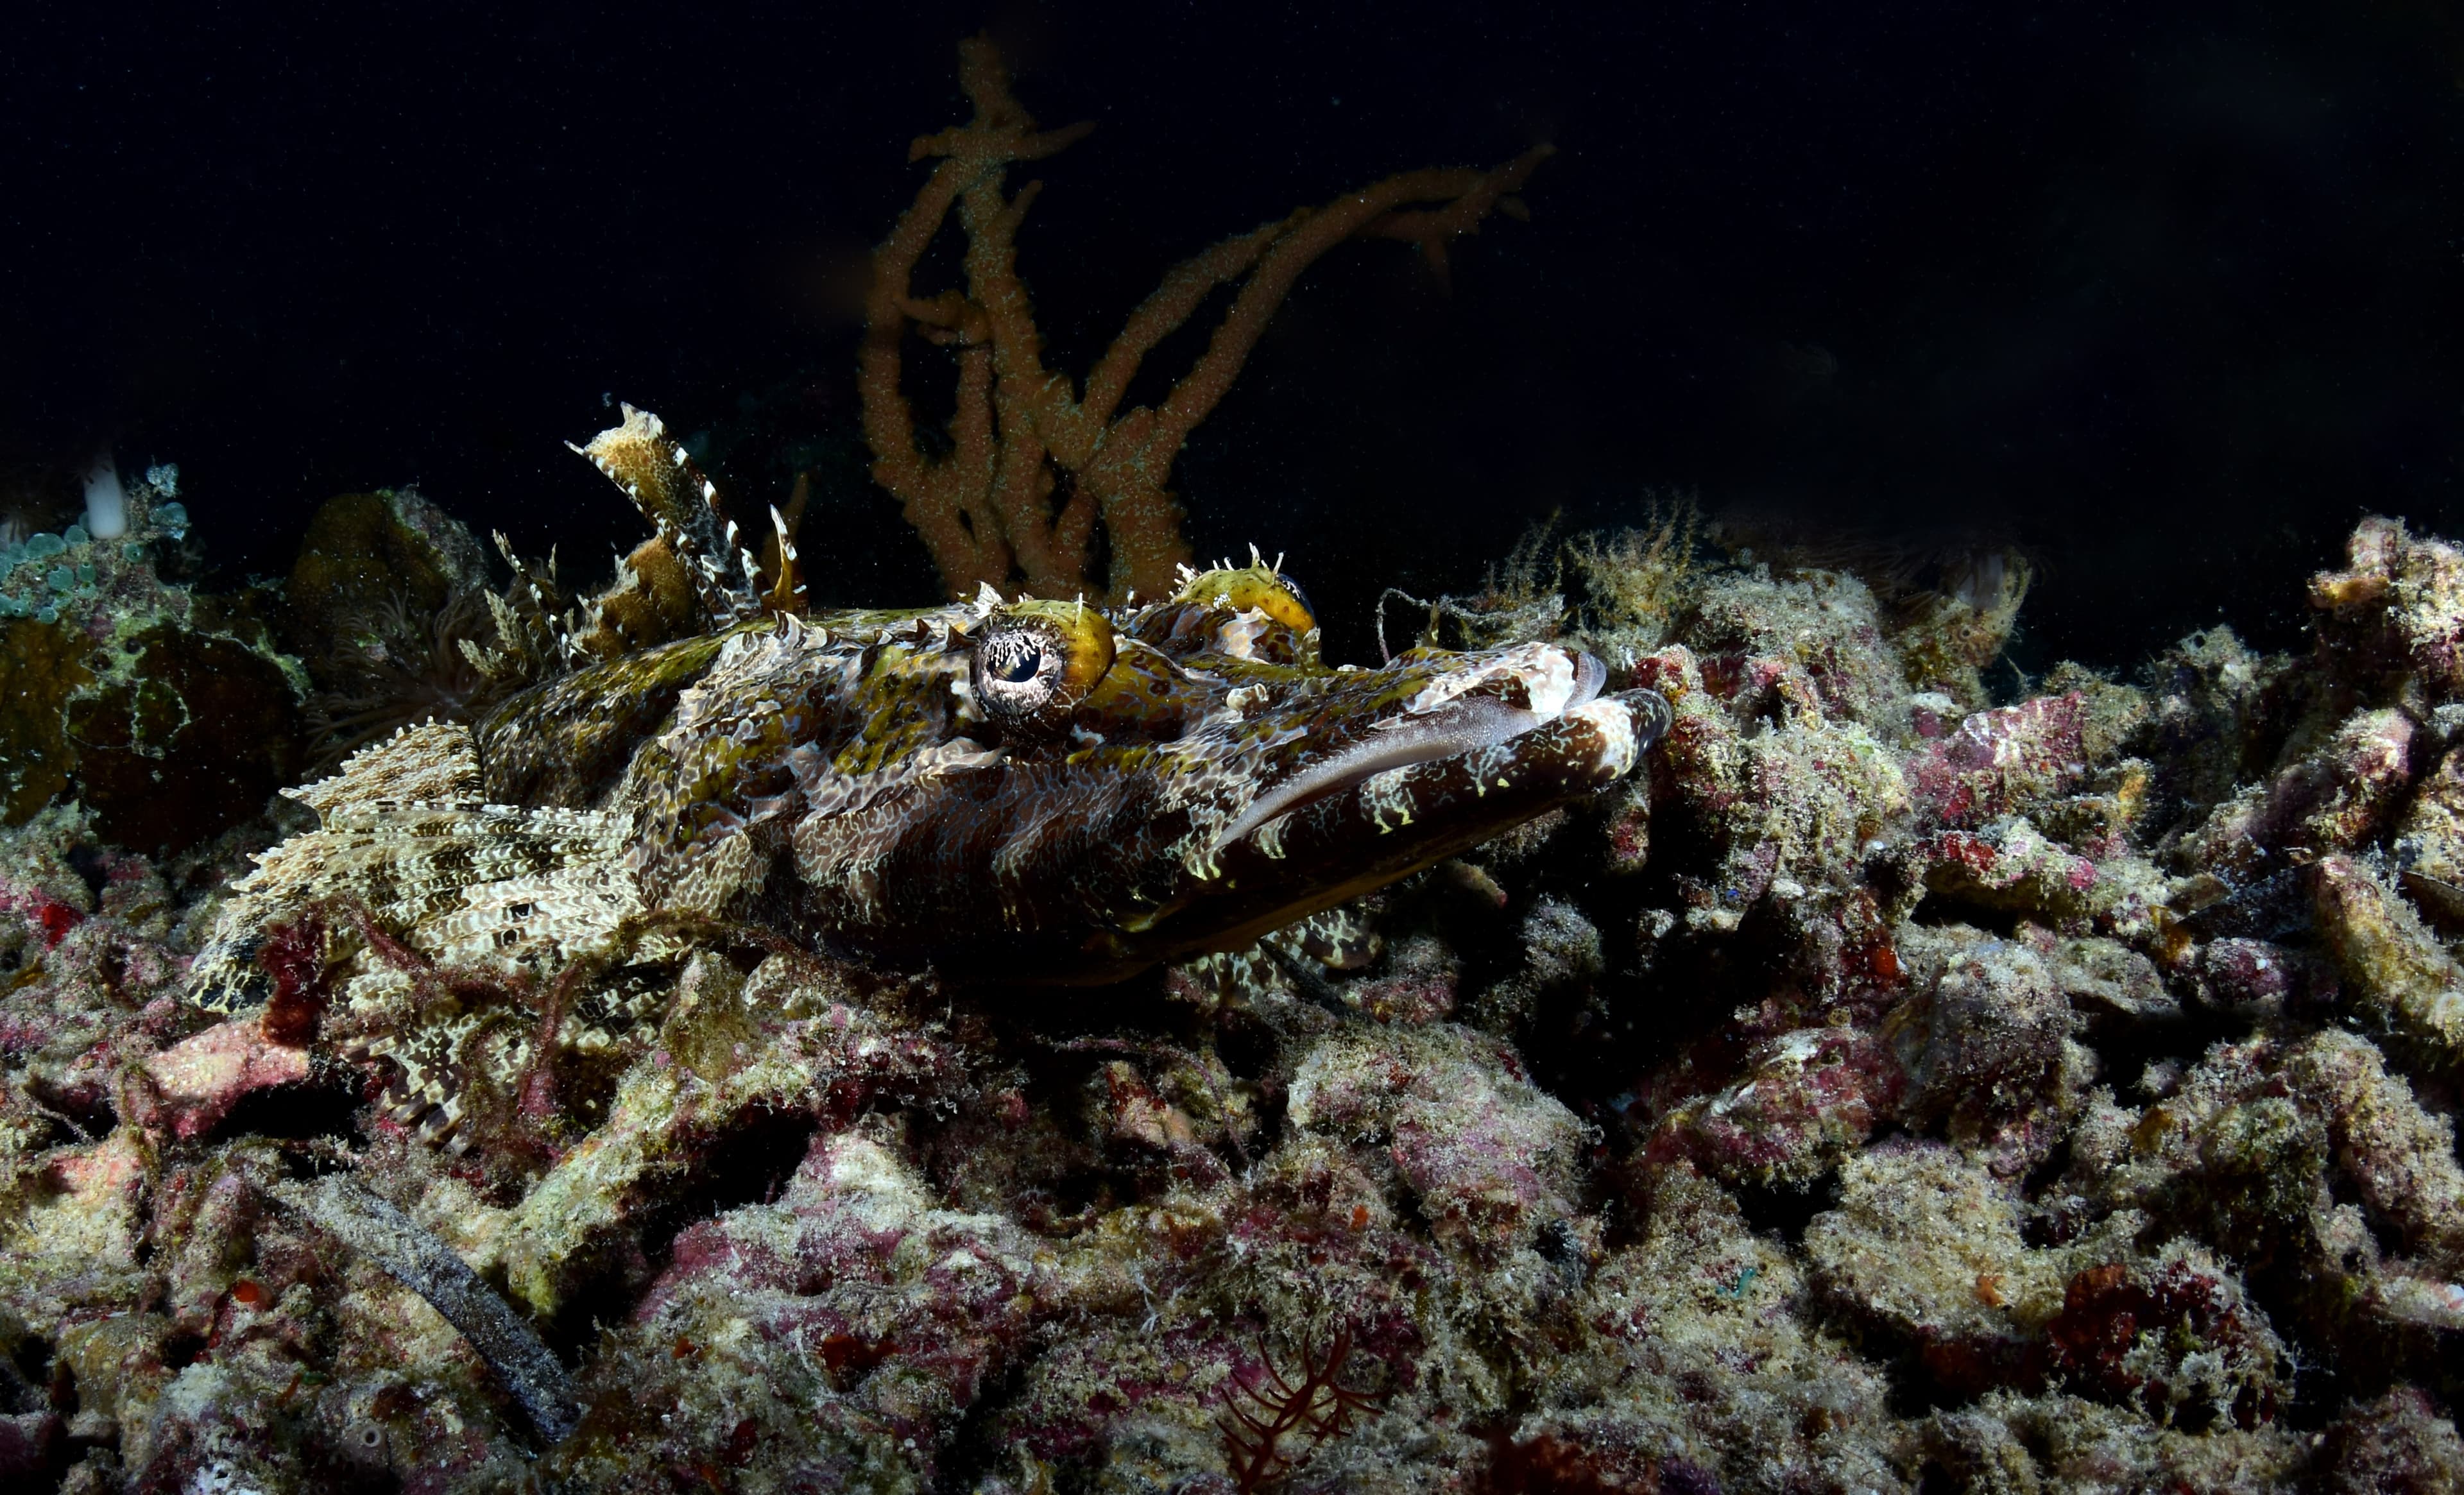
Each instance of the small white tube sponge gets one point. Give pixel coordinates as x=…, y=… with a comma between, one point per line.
x=106, y=502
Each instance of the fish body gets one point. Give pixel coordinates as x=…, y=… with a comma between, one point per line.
x=1022, y=789
x=862, y=779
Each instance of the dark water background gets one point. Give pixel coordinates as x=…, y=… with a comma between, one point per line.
x=2166, y=293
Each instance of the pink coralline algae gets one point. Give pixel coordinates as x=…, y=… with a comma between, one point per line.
x=1809, y=645
x=199, y=1078
x=1806, y=1100
x=2327, y=801
x=2395, y=606
x=1889, y=1086
x=852, y=1316
x=2000, y=762
x=47, y=918
x=1485, y=1160
x=2399, y=973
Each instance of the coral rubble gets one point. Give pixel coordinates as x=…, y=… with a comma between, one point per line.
x=1885, y=1095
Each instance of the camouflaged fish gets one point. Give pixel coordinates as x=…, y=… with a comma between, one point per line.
x=1033, y=790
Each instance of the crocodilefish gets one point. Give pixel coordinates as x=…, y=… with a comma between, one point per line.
x=1017, y=789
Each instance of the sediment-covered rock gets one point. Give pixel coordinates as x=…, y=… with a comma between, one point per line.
x=1890, y=1087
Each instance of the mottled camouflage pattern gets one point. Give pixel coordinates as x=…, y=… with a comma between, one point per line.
x=840, y=777
x=1031, y=790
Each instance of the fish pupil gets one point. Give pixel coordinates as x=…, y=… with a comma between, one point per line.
x=1020, y=666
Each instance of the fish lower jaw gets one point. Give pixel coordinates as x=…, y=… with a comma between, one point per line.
x=1622, y=736
x=1362, y=834
x=1436, y=729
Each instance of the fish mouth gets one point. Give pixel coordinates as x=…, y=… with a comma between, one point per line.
x=1379, y=814
x=1457, y=714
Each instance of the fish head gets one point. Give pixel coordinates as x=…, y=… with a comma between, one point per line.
x=1107, y=789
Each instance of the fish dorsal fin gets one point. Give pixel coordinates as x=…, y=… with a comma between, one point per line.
x=682, y=505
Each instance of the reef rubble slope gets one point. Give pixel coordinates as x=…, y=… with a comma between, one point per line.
x=1882, y=1090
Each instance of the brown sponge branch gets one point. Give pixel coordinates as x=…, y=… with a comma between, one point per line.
x=1030, y=465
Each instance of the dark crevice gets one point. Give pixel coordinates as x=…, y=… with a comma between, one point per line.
x=88, y=1112
x=1940, y=910
x=750, y=1165
x=93, y=868
x=978, y=1451
x=183, y=1350
x=1780, y=1211
x=293, y=1112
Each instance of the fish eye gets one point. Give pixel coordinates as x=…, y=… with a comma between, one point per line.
x=1036, y=661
